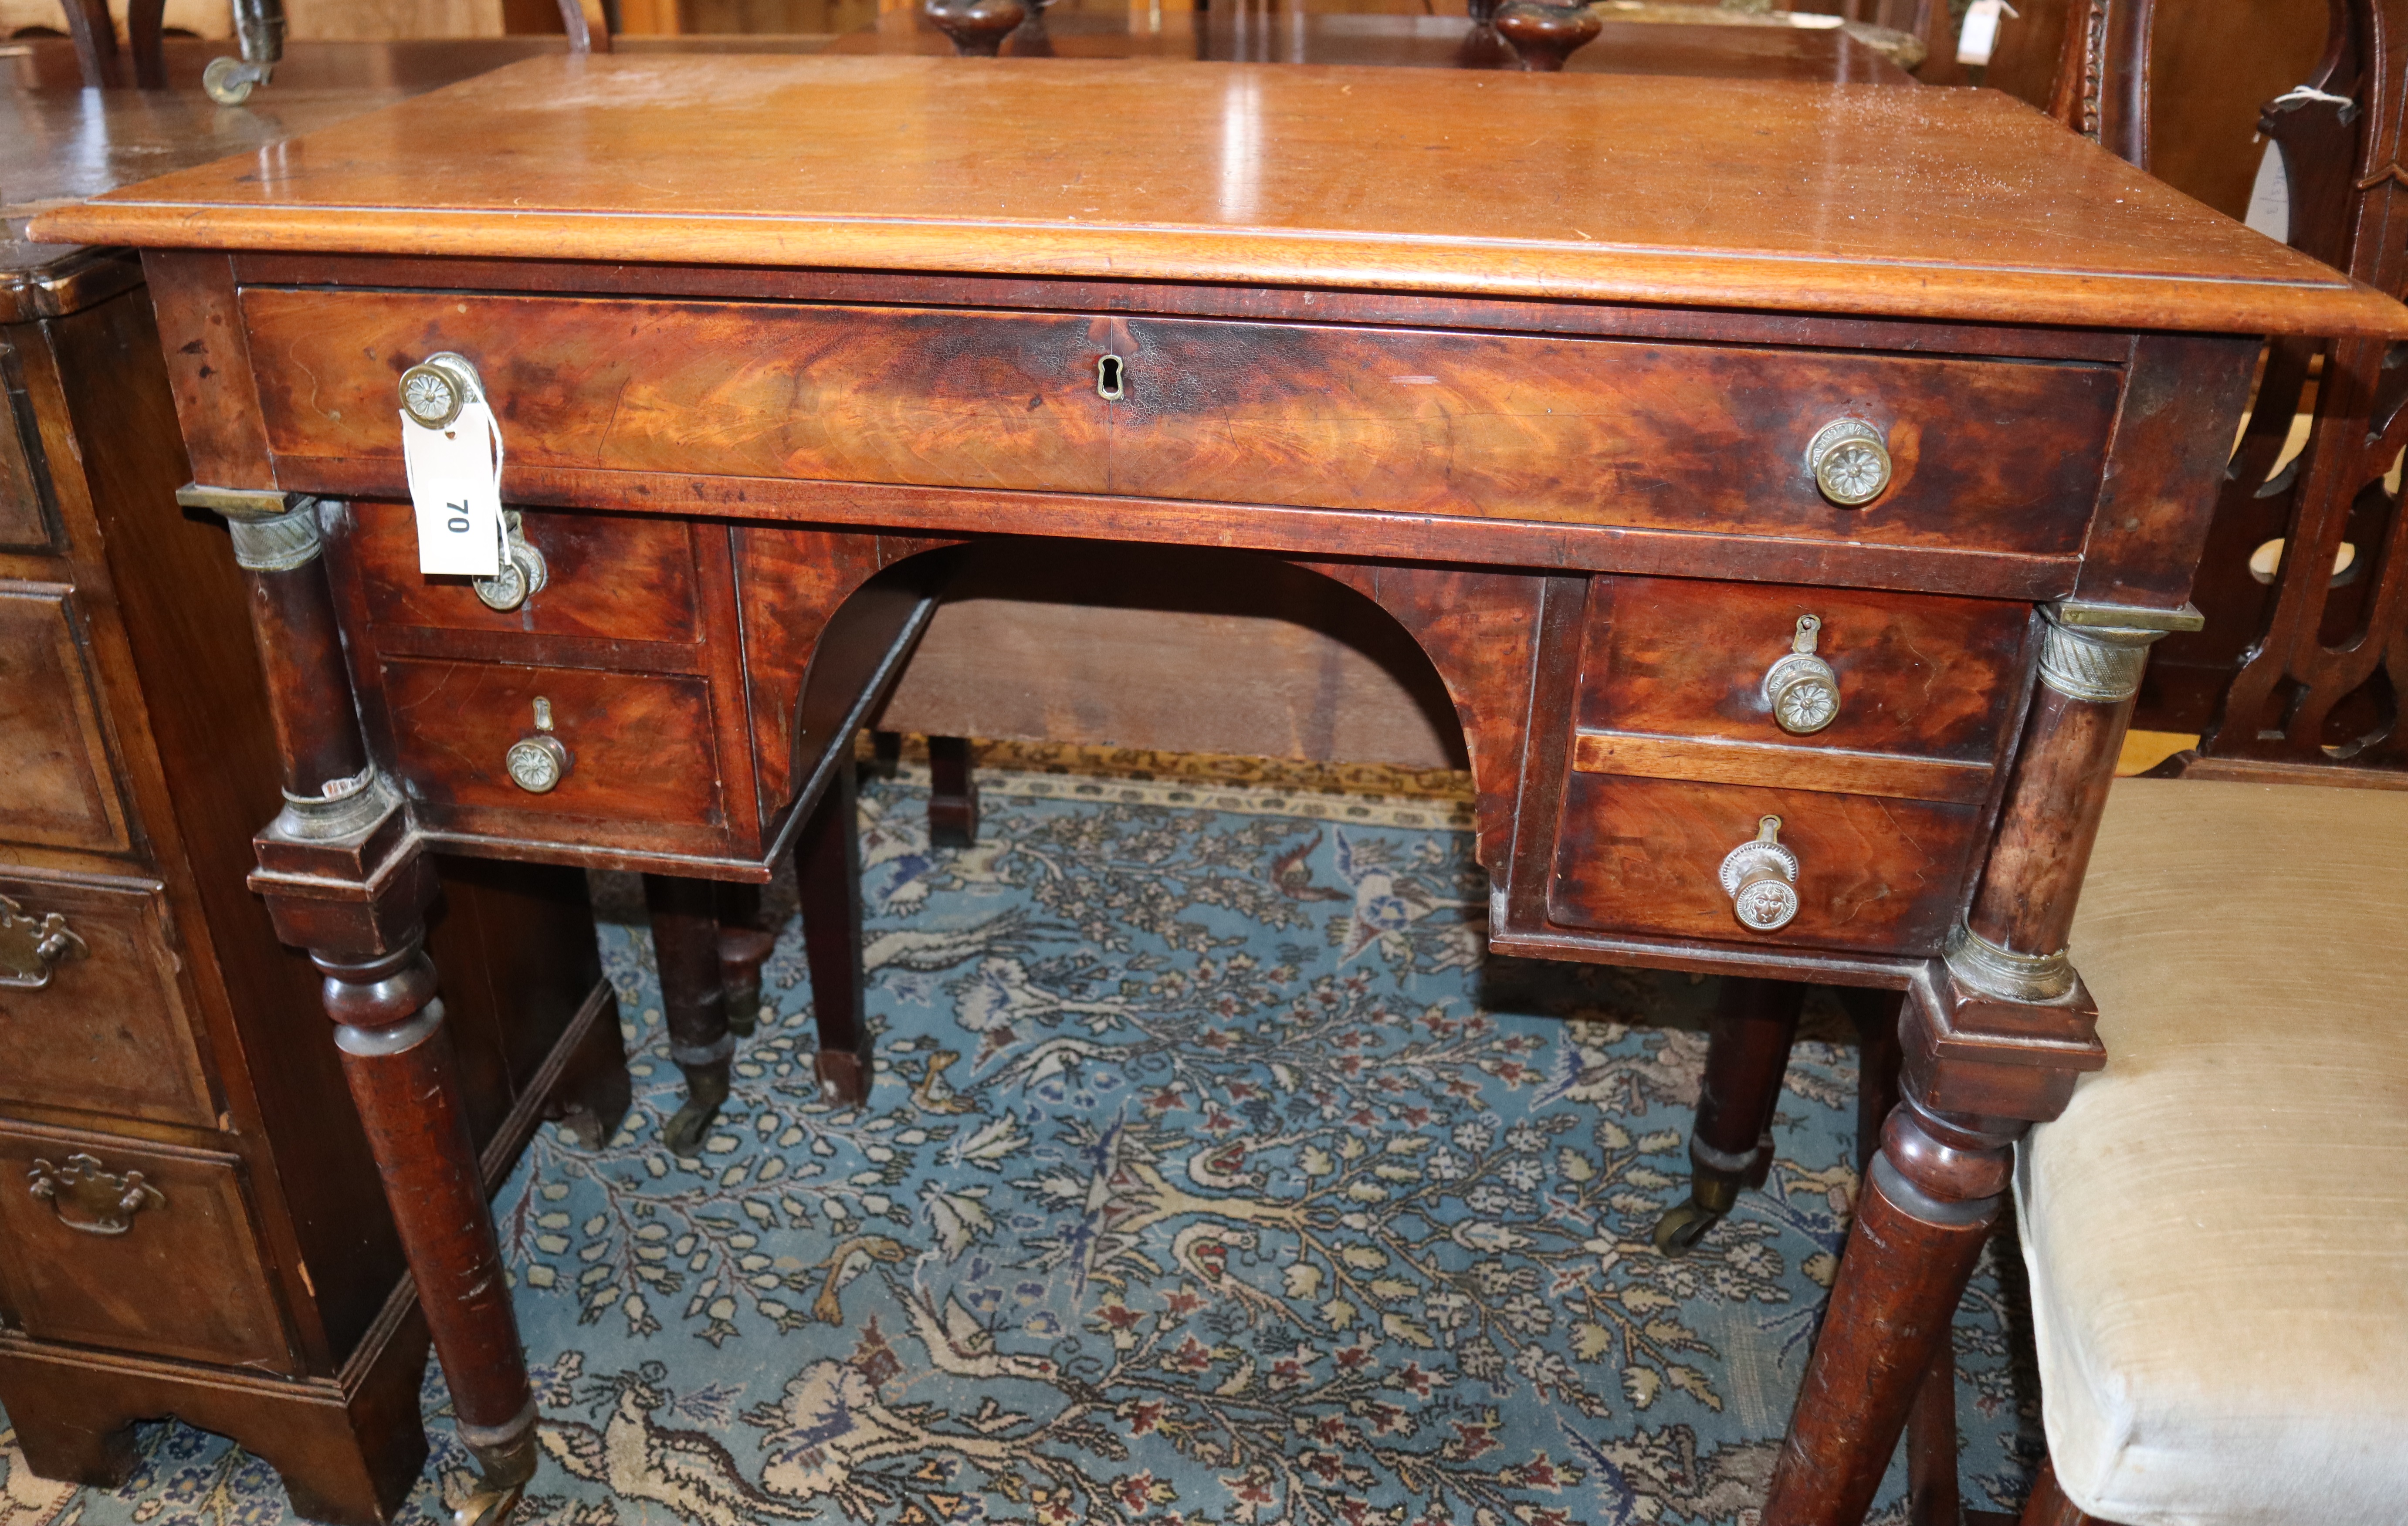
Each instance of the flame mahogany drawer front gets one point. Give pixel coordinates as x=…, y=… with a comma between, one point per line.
x=166, y=1265
x=635, y=750
x=609, y=577
x=110, y=1030
x=1987, y=454
x=1678, y=754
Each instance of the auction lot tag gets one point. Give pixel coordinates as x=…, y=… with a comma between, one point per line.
x=455, y=484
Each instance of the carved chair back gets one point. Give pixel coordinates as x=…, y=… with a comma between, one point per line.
x=2306, y=651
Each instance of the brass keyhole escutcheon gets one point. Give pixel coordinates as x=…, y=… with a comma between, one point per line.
x=1111, y=377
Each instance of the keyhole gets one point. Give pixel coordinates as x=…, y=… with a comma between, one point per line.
x=1108, y=378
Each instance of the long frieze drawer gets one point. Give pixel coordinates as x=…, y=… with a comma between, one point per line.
x=1728, y=673
x=605, y=577
x=57, y=787
x=1986, y=454
x=1640, y=855
x=536, y=742
x=135, y=1246
x=92, y=1013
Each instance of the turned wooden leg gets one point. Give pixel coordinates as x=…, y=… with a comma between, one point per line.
x=1931, y=1422
x=885, y=752
x=1730, y=1147
x=744, y=947
x=685, y=948
x=406, y=1084
x=953, y=794
x=828, y=872
x=1994, y=1037
x=344, y=876
x=1927, y=1205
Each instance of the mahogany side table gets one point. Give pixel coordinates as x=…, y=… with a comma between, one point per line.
x=1786, y=479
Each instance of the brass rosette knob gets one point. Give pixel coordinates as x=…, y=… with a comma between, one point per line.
x=435, y=390
x=522, y=574
x=1801, y=689
x=1850, y=459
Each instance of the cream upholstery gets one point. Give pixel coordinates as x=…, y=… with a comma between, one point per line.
x=2217, y=1228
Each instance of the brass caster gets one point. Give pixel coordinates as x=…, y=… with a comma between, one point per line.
x=488, y=1507
x=1678, y=1231
x=683, y=1132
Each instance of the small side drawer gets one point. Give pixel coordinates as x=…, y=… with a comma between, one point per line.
x=1917, y=676
x=57, y=789
x=169, y=1265
x=1644, y=855
x=110, y=1031
x=611, y=576
x=638, y=747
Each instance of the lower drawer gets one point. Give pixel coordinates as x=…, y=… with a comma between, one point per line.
x=108, y=1030
x=1874, y=873
x=633, y=748
x=143, y=1247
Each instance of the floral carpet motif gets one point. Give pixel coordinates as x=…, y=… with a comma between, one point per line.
x=1213, y=1174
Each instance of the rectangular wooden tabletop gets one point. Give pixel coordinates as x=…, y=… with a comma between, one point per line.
x=1923, y=202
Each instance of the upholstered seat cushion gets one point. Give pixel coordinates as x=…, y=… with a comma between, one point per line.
x=2217, y=1228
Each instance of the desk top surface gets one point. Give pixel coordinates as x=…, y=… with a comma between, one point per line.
x=1947, y=204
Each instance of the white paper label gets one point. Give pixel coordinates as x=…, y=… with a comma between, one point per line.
x=2270, y=198
x=1980, y=37
x=455, y=484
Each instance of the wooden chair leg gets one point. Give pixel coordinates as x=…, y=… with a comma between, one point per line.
x=953, y=794
x=1730, y=1147
x=96, y=42
x=685, y=947
x=828, y=873
x=744, y=947
x=2048, y=1505
x=146, y=39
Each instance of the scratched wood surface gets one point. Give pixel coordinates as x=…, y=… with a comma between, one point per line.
x=1867, y=199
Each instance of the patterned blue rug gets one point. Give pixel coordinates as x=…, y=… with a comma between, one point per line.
x=1213, y=1174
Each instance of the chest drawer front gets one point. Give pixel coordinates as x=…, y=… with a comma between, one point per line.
x=180, y=1274
x=638, y=748
x=1645, y=855
x=609, y=576
x=109, y=1029
x=57, y=787
x=1988, y=454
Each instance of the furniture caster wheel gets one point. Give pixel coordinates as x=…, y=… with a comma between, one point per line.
x=1678, y=1231
x=488, y=1507
x=684, y=1132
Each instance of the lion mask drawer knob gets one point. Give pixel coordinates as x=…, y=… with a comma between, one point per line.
x=1850, y=461
x=1761, y=878
x=523, y=571
x=91, y=1199
x=1802, y=688
x=537, y=763
x=32, y=947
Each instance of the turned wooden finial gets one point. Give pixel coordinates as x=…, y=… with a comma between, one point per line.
x=978, y=27
x=1546, y=35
